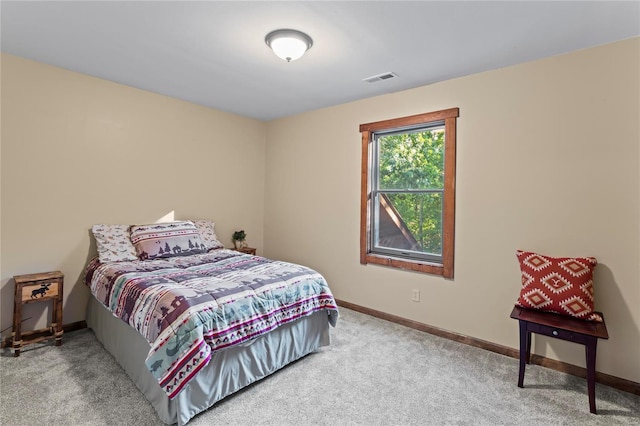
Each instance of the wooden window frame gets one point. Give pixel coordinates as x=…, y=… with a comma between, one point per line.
x=449, y=116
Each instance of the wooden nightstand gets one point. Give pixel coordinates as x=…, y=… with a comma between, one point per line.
x=35, y=288
x=247, y=250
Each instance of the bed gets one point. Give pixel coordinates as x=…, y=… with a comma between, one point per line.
x=193, y=326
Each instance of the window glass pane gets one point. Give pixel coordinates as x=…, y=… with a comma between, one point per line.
x=411, y=160
x=411, y=222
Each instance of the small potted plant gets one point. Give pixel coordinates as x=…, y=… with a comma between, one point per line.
x=238, y=238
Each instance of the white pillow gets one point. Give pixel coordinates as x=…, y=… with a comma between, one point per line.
x=114, y=243
x=206, y=228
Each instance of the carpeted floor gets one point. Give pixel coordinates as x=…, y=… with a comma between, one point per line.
x=374, y=373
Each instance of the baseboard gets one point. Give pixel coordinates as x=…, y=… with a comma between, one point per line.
x=574, y=370
x=39, y=333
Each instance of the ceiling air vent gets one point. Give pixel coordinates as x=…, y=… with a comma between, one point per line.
x=379, y=77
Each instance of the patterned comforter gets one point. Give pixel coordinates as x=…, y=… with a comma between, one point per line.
x=188, y=307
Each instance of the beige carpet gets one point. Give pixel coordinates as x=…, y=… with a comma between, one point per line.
x=374, y=373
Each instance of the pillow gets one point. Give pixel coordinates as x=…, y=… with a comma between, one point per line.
x=114, y=244
x=207, y=232
x=161, y=240
x=563, y=285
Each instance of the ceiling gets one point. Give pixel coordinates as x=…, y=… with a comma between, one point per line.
x=213, y=53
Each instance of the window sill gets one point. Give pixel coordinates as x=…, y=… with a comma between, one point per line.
x=418, y=266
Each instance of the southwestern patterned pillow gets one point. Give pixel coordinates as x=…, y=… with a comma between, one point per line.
x=114, y=244
x=563, y=285
x=208, y=234
x=160, y=240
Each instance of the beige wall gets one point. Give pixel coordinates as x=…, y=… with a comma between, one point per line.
x=77, y=151
x=548, y=160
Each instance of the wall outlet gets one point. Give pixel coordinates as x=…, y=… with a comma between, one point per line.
x=415, y=295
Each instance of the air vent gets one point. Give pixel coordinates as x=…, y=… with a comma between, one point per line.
x=379, y=77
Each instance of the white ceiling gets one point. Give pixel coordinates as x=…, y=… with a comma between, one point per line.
x=213, y=53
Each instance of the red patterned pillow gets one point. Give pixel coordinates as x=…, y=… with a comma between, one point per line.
x=563, y=285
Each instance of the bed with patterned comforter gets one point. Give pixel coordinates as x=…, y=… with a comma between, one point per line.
x=189, y=307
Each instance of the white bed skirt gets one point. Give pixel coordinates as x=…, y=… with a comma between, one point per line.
x=228, y=371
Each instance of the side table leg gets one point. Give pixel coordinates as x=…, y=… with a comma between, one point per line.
x=590, y=349
x=525, y=348
x=57, y=321
x=17, y=324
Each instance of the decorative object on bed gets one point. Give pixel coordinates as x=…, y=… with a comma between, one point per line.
x=161, y=240
x=239, y=238
x=113, y=243
x=207, y=231
x=563, y=285
x=195, y=311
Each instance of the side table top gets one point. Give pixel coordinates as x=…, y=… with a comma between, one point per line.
x=550, y=319
x=38, y=277
x=245, y=249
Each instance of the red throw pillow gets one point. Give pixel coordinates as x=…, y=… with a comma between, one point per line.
x=563, y=285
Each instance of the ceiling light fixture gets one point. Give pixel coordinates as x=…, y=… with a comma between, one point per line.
x=288, y=44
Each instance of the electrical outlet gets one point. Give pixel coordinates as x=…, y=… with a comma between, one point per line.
x=415, y=295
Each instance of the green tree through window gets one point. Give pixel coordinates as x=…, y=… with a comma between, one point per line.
x=413, y=163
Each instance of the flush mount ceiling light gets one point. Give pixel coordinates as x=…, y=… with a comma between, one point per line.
x=288, y=44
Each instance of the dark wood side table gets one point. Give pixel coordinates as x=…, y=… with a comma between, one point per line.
x=562, y=327
x=35, y=288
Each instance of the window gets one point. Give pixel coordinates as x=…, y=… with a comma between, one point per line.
x=408, y=192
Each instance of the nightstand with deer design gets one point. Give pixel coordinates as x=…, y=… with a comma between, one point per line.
x=35, y=288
